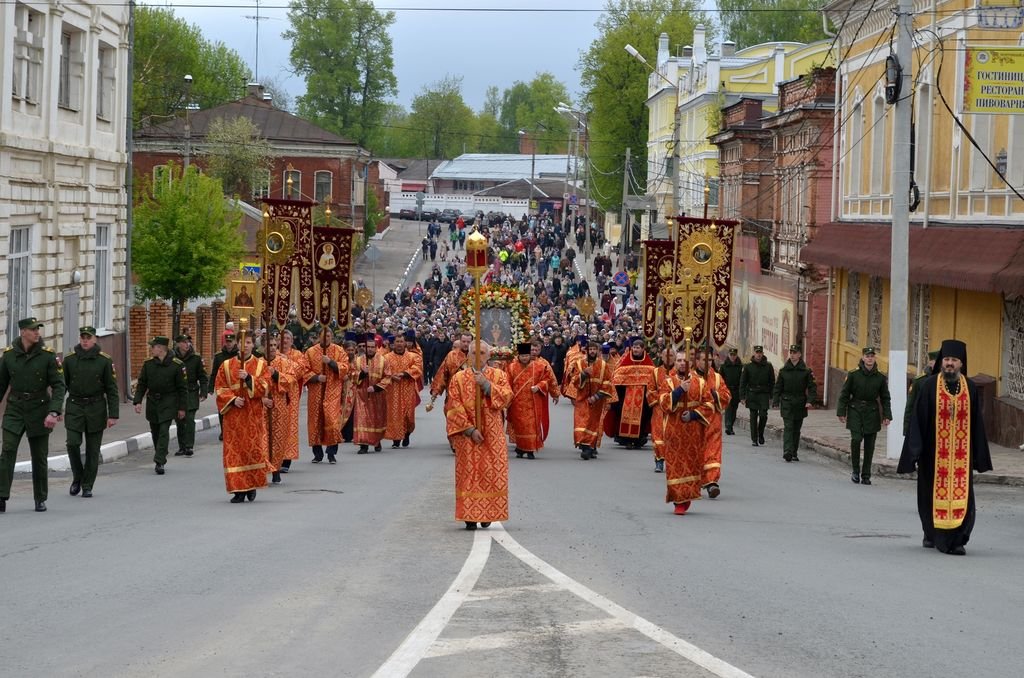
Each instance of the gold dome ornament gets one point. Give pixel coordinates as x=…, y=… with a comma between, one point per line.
x=476, y=254
x=586, y=306
x=364, y=297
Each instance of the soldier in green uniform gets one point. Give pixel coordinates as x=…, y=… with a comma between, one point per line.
x=795, y=392
x=732, y=371
x=915, y=388
x=92, y=407
x=863, y=391
x=756, y=383
x=229, y=350
x=34, y=407
x=162, y=384
x=196, y=381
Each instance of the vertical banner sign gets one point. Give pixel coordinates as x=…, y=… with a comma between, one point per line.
x=332, y=259
x=295, y=216
x=658, y=271
x=994, y=80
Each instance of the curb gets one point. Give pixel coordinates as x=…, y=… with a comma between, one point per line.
x=118, y=449
x=884, y=470
x=408, y=269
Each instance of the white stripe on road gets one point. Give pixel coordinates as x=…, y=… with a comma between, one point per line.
x=653, y=631
x=494, y=641
x=417, y=643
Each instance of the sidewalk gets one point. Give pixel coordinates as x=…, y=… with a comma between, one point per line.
x=823, y=433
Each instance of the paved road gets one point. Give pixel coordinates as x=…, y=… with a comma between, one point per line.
x=359, y=568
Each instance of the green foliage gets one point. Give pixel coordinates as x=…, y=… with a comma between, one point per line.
x=530, y=106
x=615, y=84
x=392, y=137
x=237, y=155
x=344, y=51
x=794, y=20
x=185, y=238
x=441, y=122
x=374, y=215
x=166, y=50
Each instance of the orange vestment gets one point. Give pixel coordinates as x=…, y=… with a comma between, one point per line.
x=528, y=420
x=323, y=409
x=402, y=393
x=284, y=443
x=657, y=415
x=633, y=381
x=588, y=417
x=371, y=408
x=481, y=470
x=451, y=364
x=245, y=428
x=684, y=441
x=348, y=394
x=720, y=399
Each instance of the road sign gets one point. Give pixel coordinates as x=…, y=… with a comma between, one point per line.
x=620, y=289
x=621, y=278
x=372, y=253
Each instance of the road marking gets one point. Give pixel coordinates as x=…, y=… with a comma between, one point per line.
x=493, y=641
x=418, y=642
x=684, y=649
x=511, y=591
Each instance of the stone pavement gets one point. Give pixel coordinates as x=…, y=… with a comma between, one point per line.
x=399, y=252
x=823, y=433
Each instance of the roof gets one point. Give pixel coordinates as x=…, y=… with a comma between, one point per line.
x=273, y=124
x=503, y=166
x=520, y=188
x=411, y=169
x=980, y=258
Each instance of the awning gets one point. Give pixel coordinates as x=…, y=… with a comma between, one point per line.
x=981, y=258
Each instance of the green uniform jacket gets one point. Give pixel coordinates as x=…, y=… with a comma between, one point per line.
x=794, y=388
x=858, y=401
x=164, y=383
x=218, y=359
x=29, y=374
x=732, y=372
x=196, y=380
x=756, y=384
x=915, y=389
x=92, y=390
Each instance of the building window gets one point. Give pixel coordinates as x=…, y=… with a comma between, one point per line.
x=980, y=169
x=856, y=136
x=105, y=82
x=70, y=64
x=853, y=308
x=28, y=53
x=102, y=302
x=878, y=147
x=920, y=319
x=19, y=269
x=322, y=188
x=295, y=191
x=261, y=184
x=875, y=312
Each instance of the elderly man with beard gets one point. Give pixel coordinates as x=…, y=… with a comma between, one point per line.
x=686, y=402
x=946, y=445
x=326, y=368
x=864, y=391
x=284, y=376
x=402, y=386
x=371, y=405
x=242, y=385
x=302, y=374
x=588, y=384
x=629, y=420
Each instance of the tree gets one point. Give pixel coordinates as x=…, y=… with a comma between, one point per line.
x=374, y=215
x=185, y=239
x=279, y=96
x=441, y=121
x=236, y=155
x=615, y=85
x=166, y=50
x=530, y=106
x=344, y=51
x=796, y=20
x=392, y=137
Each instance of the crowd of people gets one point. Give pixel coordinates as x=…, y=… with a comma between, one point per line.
x=363, y=386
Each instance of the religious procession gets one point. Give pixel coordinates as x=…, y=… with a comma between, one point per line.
x=501, y=342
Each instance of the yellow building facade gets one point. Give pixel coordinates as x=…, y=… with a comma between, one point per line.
x=967, y=231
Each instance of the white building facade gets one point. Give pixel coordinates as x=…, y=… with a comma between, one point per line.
x=63, y=118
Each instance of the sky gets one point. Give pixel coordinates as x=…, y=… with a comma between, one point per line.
x=484, y=47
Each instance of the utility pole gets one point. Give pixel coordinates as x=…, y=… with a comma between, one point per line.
x=624, y=235
x=899, y=286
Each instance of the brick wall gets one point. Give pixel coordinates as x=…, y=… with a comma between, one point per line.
x=203, y=337
x=187, y=324
x=816, y=338
x=159, y=319
x=138, y=319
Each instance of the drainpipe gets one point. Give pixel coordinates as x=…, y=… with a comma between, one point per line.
x=828, y=337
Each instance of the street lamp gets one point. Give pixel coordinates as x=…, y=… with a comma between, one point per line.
x=677, y=123
x=580, y=118
x=533, y=168
x=188, y=122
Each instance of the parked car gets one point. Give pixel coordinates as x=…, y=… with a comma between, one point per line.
x=469, y=216
x=448, y=215
x=407, y=214
x=430, y=214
